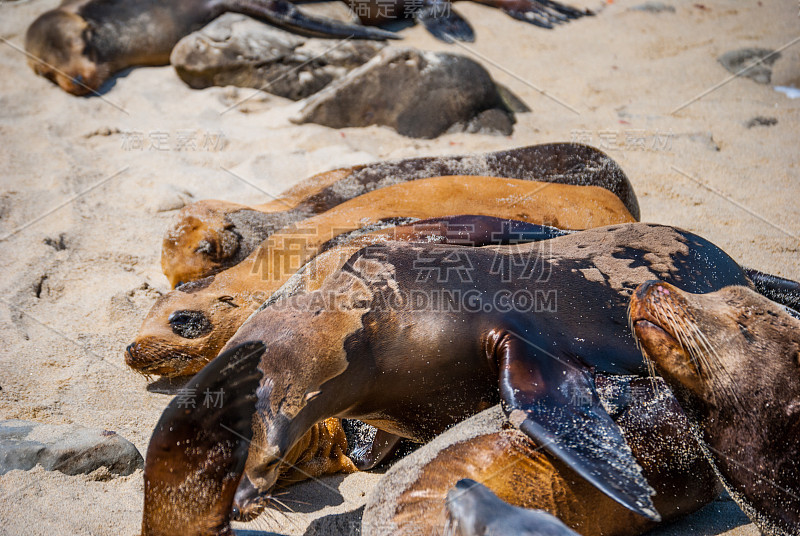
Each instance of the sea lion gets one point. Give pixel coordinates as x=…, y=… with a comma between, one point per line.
x=187, y=327
x=404, y=324
x=82, y=43
x=417, y=495
x=731, y=358
x=210, y=236
x=479, y=512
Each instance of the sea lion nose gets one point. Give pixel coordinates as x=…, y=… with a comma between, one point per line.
x=644, y=288
x=130, y=353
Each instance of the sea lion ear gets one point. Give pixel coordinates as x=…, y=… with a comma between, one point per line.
x=552, y=399
x=200, y=441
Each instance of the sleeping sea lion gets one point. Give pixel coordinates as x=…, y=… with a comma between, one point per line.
x=187, y=327
x=82, y=43
x=732, y=358
x=210, y=236
x=403, y=324
x=417, y=495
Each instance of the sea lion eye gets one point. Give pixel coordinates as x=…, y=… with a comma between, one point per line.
x=189, y=324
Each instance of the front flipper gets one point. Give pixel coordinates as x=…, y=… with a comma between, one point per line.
x=286, y=15
x=542, y=13
x=552, y=399
x=443, y=22
x=197, y=453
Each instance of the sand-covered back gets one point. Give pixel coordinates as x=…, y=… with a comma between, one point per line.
x=89, y=185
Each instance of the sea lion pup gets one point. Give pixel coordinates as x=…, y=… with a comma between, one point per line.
x=417, y=495
x=82, y=43
x=479, y=512
x=187, y=327
x=210, y=236
x=403, y=324
x=731, y=357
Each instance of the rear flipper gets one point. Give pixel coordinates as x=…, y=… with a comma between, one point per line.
x=286, y=15
x=198, y=449
x=443, y=22
x=368, y=446
x=780, y=290
x=552, y=399
x=542, y=13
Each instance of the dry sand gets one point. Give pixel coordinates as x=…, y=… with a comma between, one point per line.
x=69, y=170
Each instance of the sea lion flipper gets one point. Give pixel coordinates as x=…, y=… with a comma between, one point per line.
x=197, y=451
x=369, y=454
x=287, y=15
x=553, y=400
x=776, y=288
x=542, y=13
x=443, y=22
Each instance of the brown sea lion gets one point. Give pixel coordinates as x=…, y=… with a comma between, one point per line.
x=210, y=236
x=404, y=324
x=732, y=357
x=82, y=43
x=417, y=495
x=187, y=327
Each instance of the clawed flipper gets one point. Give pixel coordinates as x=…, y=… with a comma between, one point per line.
x=542, y=13
x=444, y=23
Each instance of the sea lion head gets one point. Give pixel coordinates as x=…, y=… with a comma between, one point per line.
x=59, y=48
x=200, y=242
x=185, y=329
x=732, y=357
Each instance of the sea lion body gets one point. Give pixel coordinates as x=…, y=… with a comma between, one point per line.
x=417, y=494
x=187, y=327
x=732, y=359
x=210, y=236
x=405, y=324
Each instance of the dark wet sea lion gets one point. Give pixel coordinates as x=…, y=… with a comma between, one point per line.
x=81, y=43
x=210, y=236
x=404, y=324
x=477, y=511
x=187, y=327
x=416, y=497
x=732, y=359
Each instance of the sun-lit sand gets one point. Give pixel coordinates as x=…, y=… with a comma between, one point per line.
x=107, y=174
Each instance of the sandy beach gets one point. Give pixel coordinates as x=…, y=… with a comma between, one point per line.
x=89, y=185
